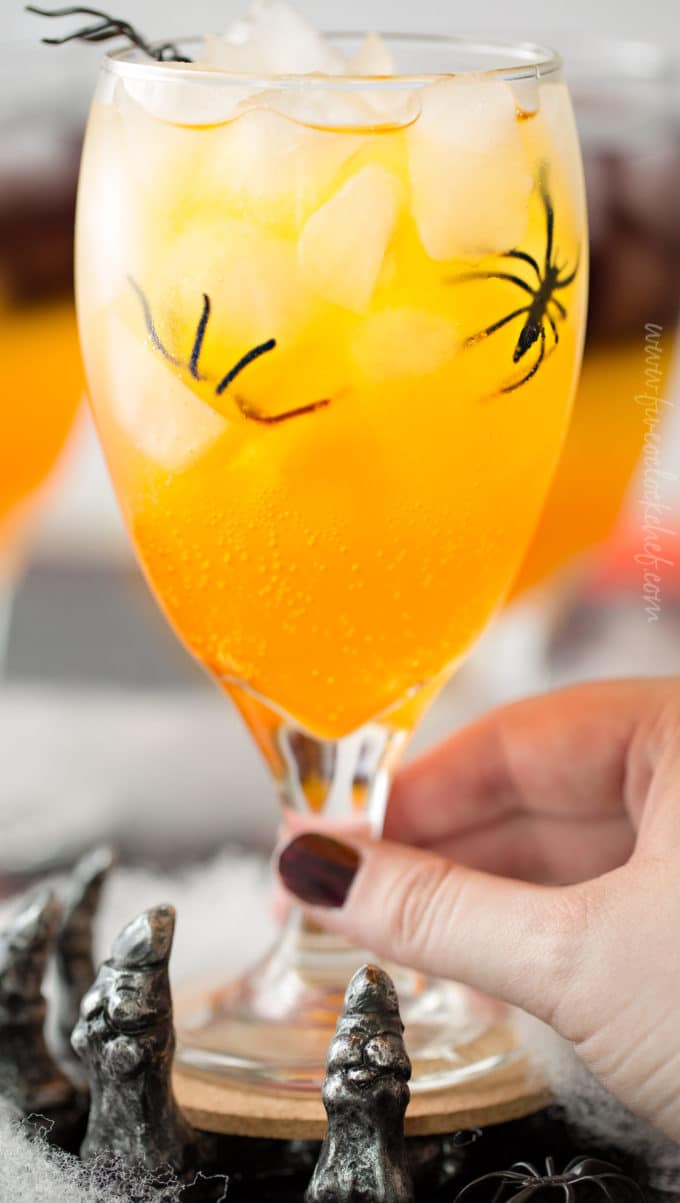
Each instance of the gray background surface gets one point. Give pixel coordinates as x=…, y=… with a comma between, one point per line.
x=659, y=19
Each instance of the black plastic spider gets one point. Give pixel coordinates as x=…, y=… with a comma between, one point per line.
x=537, y=313
x=247, y=409
x=108, y=27
x=466, y=1137
x=530, y=1182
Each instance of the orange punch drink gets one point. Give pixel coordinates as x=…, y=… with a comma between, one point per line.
x=42, y=376
x=332, y=367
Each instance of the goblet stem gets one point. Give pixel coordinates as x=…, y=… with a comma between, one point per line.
x=331, y=786
x=274, y=1023
x=340, y=782
x=338, y=785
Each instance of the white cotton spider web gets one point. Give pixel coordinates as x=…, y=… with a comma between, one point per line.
x=599, y=1118
x=32, y=1171
x=211, y=899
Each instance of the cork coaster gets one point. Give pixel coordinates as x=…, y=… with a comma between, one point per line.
x=224, y=1105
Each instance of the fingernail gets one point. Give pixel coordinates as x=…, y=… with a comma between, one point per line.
x=318, y=869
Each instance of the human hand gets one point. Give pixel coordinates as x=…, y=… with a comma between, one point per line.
x=535, y=855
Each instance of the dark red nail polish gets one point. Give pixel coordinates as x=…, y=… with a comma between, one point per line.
x=318, y=869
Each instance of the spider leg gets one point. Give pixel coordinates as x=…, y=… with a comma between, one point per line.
x=247, y=359
x=505, y=1176
x=569, y=1196
x=560, y=307
x=525, y=259
x=148, y=321
x=198, y=340
x=510, y=388
x=590, y=1165
x=549, y=218
x=124, y=29
x=110, y=27
x=467, y=276
x=475, y=338
x=101, y=33
x=598, y=1182
x=527, y=1167
x=616, y=1177
x=98, y=33
x=528, y=1192
x=72, y=10
x=555, y=331
x=168, y=52
x=255, y=415
x=567, y=280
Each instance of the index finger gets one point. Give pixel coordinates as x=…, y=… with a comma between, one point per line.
x=577, y=751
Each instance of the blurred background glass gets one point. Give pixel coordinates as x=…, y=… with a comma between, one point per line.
x=40, y=137
x=105, y=724
x=584, y=573
x=626, y=101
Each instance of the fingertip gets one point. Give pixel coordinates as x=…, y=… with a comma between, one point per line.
x=318, y=870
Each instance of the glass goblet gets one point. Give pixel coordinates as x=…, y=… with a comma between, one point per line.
x=332, y=328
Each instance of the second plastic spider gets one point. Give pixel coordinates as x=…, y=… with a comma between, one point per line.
x=543, y=309
x=529, y=1182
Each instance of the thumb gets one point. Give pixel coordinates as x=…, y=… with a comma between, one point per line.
x=516, y=941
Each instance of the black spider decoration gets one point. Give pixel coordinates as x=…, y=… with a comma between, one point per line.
x=107, y=27
x=246, y=408
x=537, y=313
x=466, y=1137
x=530, y=1182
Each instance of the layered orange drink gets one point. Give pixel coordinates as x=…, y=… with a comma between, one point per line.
x=332, y=336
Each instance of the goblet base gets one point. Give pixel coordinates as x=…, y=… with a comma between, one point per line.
x=273, y=1025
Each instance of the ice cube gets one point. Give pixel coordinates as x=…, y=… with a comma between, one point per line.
x=319, y=107
x=372, y=58
x=193, y=98
x=159, y=413
x=232, y=56
x=272, y=169
x=253, y=282
x=392, y=105
x=403, y=342
x=110, y=219
x=160, y=155
x=527, y=95
x=275, y=38
x=339, y=107
x=256, y=294
x=469, y=169
x=343, y=245
x=553, y=133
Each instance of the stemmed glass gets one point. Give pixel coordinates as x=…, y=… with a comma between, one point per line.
x=42, y=376
x=332, y=327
